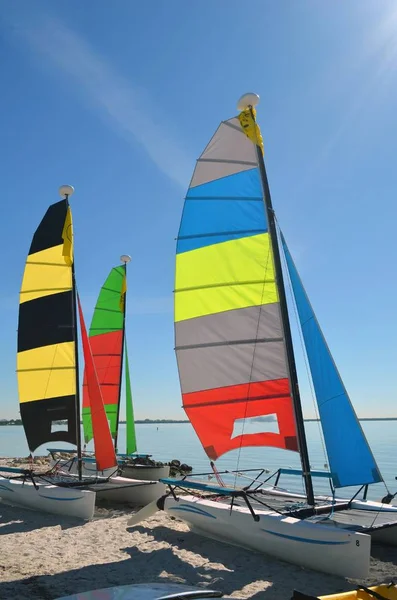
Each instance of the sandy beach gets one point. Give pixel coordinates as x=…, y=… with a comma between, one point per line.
x=47, y=556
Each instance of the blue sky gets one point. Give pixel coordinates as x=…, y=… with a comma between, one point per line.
x=120, y=98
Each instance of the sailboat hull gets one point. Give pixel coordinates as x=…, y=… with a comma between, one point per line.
x=46, y=497
x=122, y=490
x=336, y=551
x=143, y=472
x=384, y=535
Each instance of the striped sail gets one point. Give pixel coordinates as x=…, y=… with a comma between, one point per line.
x=46, y=365
x=229, y=337
x=106, y=340
x=349, y=455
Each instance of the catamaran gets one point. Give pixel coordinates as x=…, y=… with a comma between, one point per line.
x=48, y=381
x=236, y=362
x=108, y=342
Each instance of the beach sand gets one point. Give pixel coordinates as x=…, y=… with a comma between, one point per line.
x=45, y=556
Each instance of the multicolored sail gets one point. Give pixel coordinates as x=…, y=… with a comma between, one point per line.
x=229, y=337
x=106, y=340
x=46, y=363
x=349, y=455
x=105, y=455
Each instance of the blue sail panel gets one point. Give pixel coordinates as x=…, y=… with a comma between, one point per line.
x=350, y=458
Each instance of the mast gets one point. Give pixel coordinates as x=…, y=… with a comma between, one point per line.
x=248, y=101
x=125, y=259
x=66, y=191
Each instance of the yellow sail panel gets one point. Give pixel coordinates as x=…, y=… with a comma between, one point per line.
x=46, y=364
x=225, y=276
x=48, y=371
x=45, y=273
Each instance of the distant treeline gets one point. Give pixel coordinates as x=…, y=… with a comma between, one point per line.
x=144, y=421
x=19, y=422
x=167, y=421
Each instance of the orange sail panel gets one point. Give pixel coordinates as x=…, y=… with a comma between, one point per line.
x=229, y=336
x=104, y=451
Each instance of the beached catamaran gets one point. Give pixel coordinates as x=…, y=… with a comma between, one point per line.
x=108, y=342
x=236, y=362
x=48, y=380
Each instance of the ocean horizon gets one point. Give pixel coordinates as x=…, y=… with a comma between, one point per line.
x=168, y=441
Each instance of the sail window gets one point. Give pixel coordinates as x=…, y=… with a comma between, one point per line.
x=262, y=424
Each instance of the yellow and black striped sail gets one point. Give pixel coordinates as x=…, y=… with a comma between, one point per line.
x=46, y=361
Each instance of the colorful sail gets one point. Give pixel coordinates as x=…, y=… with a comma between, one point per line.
x=106, y=340
x=46, y=365
x=131, y=437
x=229, y=337
x=350, y=459
x=105, y=455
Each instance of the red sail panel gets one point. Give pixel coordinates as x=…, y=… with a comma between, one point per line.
x=107, y=356
x=213, y=414
x=104, y=450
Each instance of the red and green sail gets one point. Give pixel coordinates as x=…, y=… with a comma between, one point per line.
x=106, y=340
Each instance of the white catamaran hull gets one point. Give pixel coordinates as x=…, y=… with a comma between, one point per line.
x=311, y=545
x=121, y=490
x=145, y=472
x=89, y=469
x=130, y=491
x=49, y=498
x=385, y=535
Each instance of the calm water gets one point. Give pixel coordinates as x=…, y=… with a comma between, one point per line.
x=178, y=440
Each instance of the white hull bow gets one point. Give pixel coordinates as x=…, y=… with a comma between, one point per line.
x=45, y=497
x=307, y=544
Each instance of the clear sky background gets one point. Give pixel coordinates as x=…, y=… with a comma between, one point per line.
x=119, y=99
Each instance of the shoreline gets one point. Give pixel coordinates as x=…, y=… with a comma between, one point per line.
x=47, y=556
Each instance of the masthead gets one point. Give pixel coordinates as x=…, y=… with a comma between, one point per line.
x=66, y=190
x=248, y=100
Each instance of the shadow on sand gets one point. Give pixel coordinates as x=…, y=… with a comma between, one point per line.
x=211, y=564
x=14, y=519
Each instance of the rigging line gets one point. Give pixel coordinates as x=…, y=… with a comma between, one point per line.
x=303, y=347
x=265, y=281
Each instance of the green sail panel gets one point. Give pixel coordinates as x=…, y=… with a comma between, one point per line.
x=131, y=437
x=106, y=339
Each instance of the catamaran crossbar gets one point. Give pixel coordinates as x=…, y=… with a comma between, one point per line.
x=27, y=474
x=302, y=512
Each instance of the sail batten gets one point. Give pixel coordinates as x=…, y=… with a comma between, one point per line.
x=228, y=333
x=350, y=458
x=46, y=365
